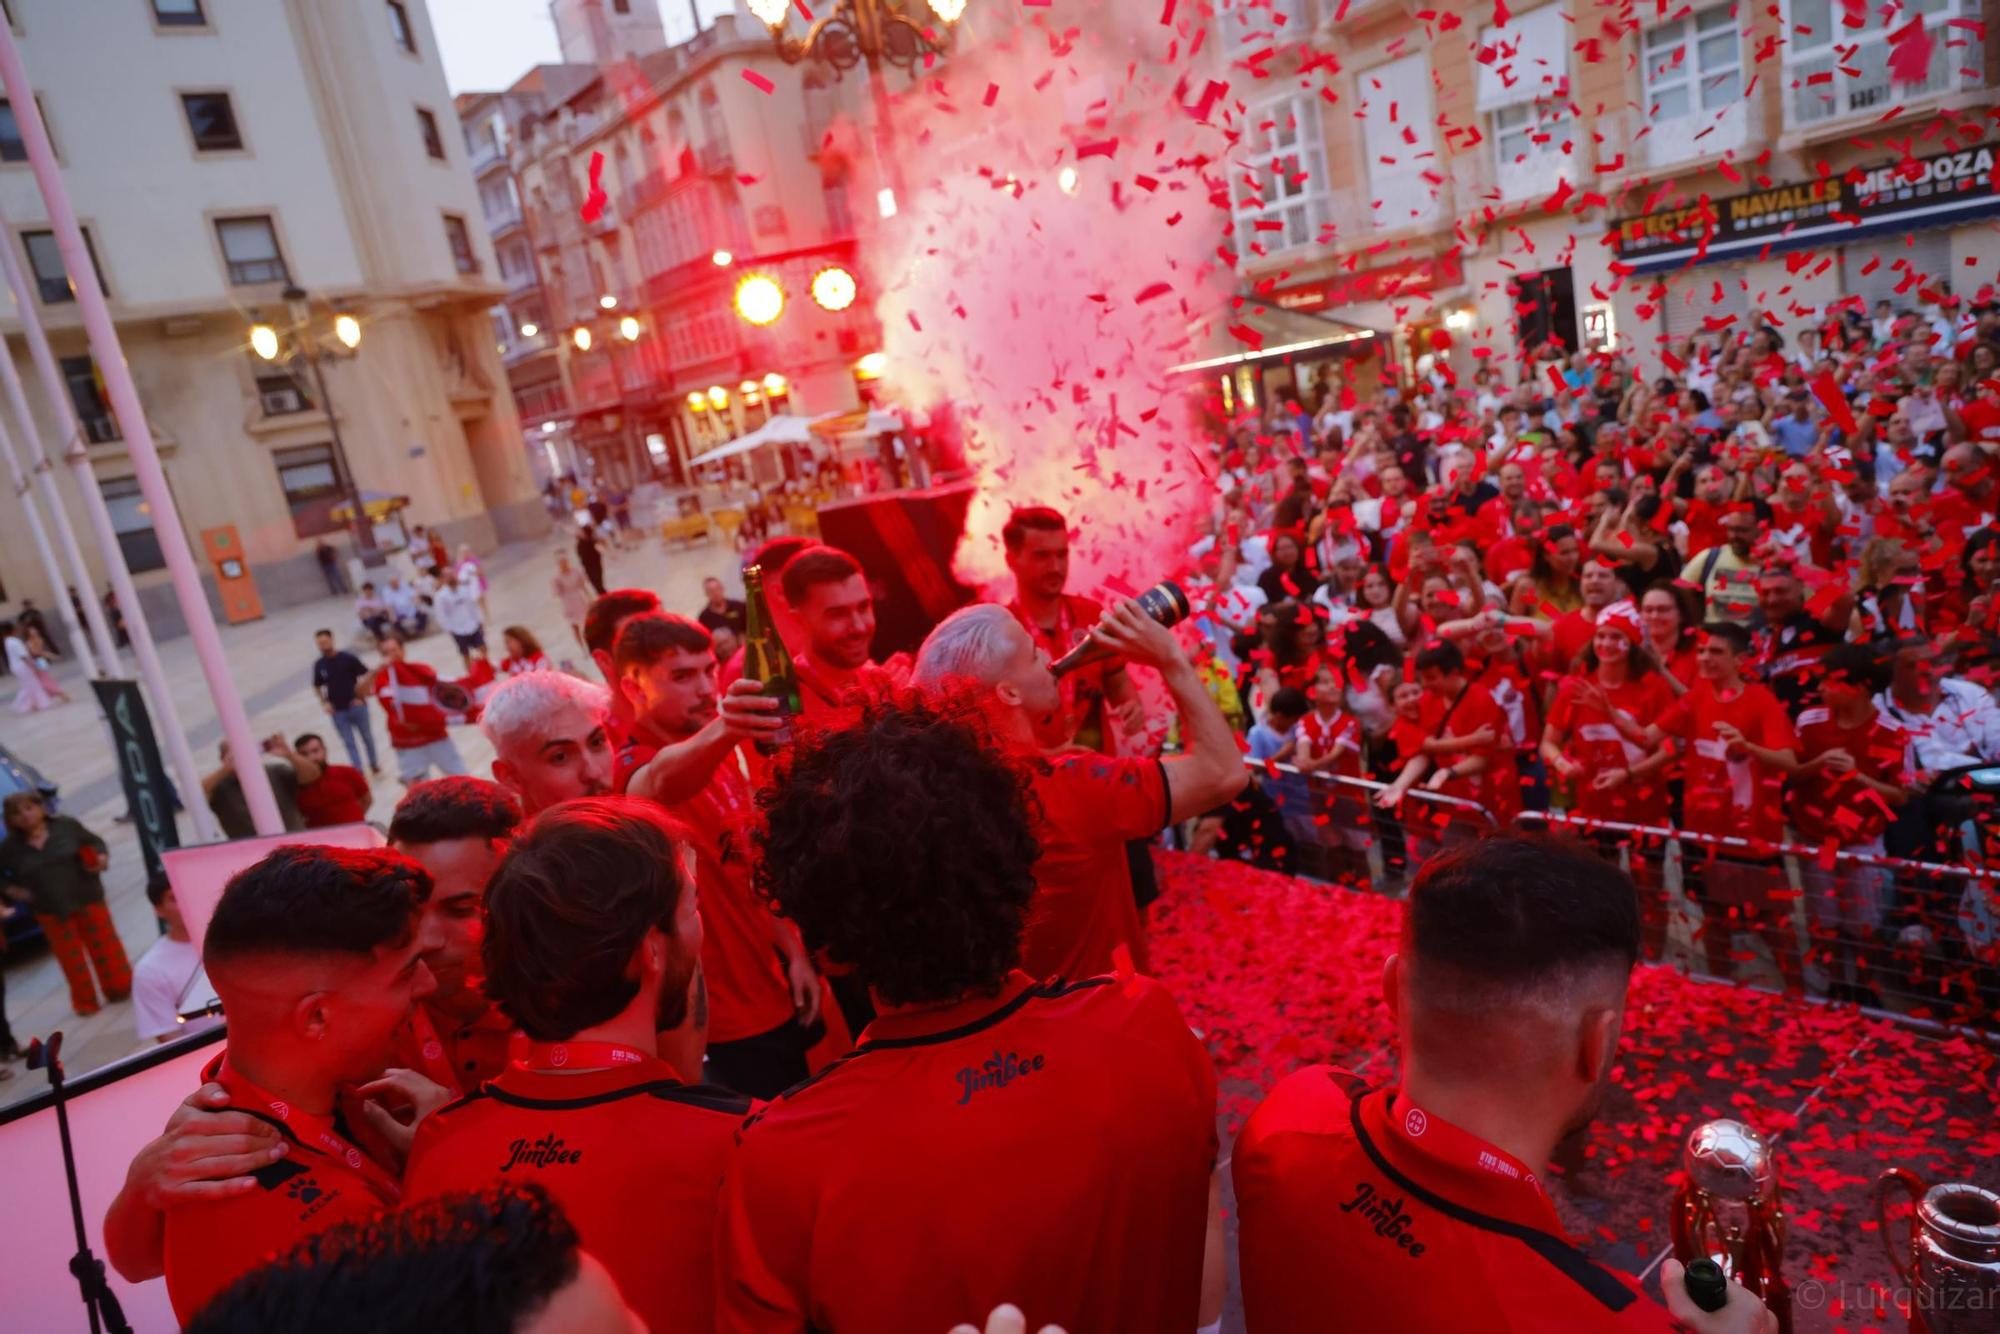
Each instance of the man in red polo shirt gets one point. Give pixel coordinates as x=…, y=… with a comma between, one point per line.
x=1089, y=806
x=407, y=692
x=1736, y=748
x=992, y=1138
x=593, y=941
x=340, y=794
x=1421, y=1207
x=835, y=609
x=456, y=829
x=1036, y=541
x=763, y=993
x=318, y=956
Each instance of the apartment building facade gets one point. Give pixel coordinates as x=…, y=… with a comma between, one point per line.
x=218, y=152
x=1470, y=190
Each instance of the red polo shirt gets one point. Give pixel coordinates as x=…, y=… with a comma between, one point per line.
x=1049, y=1146
x=747, y=990
x=1091, y=806
x=1727, y=792
x=327, y=1178
x=337, y=796
x=1359, y=1211
x=1828, y=806
x=404, y=691
x=633, y=1155
x=459, y=1056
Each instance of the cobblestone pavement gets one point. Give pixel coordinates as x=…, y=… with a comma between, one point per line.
x=271, y=660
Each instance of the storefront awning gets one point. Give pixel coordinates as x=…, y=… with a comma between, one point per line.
x=379, y=504
x=1265, y=333
x=783, y=429
x=868, y=421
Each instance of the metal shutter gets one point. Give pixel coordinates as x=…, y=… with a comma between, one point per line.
x=1926, y=253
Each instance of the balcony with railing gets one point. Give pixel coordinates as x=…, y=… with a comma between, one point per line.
x=1836, y=75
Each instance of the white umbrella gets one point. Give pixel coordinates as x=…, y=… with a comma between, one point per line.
x=783, y=429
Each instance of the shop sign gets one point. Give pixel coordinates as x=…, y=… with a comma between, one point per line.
x=1421, y=273
x=1935, y=191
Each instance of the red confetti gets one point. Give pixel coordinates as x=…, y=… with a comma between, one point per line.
x=757, y=81
x=595, y=201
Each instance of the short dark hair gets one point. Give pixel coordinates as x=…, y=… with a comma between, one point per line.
x=1031, y=519
x=461, y=806
x=481, y=1262
x=1441, y=655
x=1860, y=663
x=1292, y=701
x=1513, y=913
x=309, y=899
x=813, y=567
x=925, y=890
x=322, y=631
x=773, y=556
x=645, y=638
x=304, y=737
x=600, y=623
x=388, y=636
x=1730, y=633
x=568, y=906
x=157, y=886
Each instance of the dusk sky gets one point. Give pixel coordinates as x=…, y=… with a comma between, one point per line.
x=487, y=44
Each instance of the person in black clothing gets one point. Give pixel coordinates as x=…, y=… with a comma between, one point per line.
x=590, y=557
x=116, y=615
x=720, y=610
x=335, y=673
x=1794, y=637
x=329, y=568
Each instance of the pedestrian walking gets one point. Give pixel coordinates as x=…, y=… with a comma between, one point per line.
x=457, y=607
x=335, y=674
x=590, y=556
x=52, y=864
x=38, y=689
x=573, y=592
x=330, y=570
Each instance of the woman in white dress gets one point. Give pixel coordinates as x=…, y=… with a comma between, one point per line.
x=38, y=689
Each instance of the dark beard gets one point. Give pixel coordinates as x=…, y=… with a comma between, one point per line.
x=672, y=1011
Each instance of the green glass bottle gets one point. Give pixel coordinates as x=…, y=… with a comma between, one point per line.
x=765, y=657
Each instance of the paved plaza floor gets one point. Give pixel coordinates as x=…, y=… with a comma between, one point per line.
x=271, y=661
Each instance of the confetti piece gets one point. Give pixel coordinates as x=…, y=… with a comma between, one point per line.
x=594, y=203
x=757, y=81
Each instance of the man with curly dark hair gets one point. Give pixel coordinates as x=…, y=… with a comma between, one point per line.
x=503, y=1261
x=1088, y=806
x=1080, y=1115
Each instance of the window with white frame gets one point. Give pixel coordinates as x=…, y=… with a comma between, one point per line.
x=1833, y=70
x=1524, y=92
x=1280, y=181
x=1397, y=139
x=1693, y=66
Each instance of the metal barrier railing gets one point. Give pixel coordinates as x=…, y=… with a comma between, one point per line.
x=1914, y=939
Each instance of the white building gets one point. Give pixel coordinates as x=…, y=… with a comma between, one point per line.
x=217, y=151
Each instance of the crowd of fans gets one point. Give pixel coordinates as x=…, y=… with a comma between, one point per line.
x=1749, y=601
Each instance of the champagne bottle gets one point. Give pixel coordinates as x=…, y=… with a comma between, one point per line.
x=765, y=658
x=1164, y=602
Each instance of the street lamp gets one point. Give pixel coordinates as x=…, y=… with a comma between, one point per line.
x=833, y=288
x=871, y=32
x=301, y=342
x=760, y=299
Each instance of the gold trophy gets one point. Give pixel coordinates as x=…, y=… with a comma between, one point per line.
x=1730, y=1210
x=1952, y=1266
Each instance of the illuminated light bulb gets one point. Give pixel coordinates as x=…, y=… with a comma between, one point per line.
x=530, y=329
x=628, y=329
x=723, y=259
x=348, y=330
x=776, y=385
x=834, y=288
x=697, y=402
x=608, y=301
x=873, y=366
x=718, y=397
x=771, y=13
x=581, y=337
x=759, y=299
x=264, y=341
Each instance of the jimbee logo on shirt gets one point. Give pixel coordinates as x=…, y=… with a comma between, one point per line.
x=997, y=1073
x=548, y=1151
x=1385, y=1214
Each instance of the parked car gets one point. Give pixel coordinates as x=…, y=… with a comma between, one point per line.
x=17, y=775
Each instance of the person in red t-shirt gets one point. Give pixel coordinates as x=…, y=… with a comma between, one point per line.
x=1666, y=610
x=456, y=829
x=1089, y=806
x=1421, y=1206
x=340, y=795
x=1571, y=633
x=835, y=609
x=1467, y=748
x=1853, y=776
x=594, y=943
x=407, y=692
x=1596, y=740
x=1081, y=1115
x=1736, y=746
x=318, y=955
x=1036, y=542
x=764, y=996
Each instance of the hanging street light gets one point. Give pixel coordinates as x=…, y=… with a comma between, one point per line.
x=759, y=299
x=834, y=288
